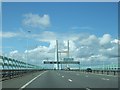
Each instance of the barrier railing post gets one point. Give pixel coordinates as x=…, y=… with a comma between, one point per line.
x=12, y=68
x=102, y=71
x=114, y=72
x=107, y=72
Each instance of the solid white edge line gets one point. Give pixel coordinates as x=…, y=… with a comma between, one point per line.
x=31, y=81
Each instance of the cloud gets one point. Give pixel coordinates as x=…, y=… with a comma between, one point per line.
x=8, y=34
x=17, y=55
x=90, y=48
x=90, y=40
x=115, y=41
x=13, y=52
x=36, y=21
x=39, y=48
x=47, y=36
x=110, y=52
x=86, y=48
x=105, y=39
x=83, y=28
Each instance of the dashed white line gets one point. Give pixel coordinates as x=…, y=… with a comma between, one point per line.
x=105, y=79
x=88, y=89
x=31, y=81
x=77, y=74
x=62, y=76
x=70, y=80
x=86, y=76
x=58, y=74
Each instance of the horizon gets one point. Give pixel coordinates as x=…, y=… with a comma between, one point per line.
x=30, y=28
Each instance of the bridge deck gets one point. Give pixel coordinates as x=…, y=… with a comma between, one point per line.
x=62, y=79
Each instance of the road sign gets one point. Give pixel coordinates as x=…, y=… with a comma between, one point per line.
x=68, y=59
x=61, y=62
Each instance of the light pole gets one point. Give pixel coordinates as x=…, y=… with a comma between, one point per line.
x=103, y=64
x=60, y=60
x=57, y=54
x=27, y=48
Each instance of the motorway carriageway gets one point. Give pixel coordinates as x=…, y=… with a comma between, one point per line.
x=62, y=79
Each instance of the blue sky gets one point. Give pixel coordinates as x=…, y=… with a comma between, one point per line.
x=102, y=17
x=60, y=20
x=94, y=18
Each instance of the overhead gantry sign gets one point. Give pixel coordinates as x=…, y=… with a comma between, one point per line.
x=61, y=62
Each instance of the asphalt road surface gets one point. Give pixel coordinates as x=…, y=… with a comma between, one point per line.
x=62, y=79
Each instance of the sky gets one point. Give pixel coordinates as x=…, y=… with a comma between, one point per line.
x=32, y=28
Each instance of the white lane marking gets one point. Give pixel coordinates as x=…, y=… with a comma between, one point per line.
x=70, y=80
x=62, y=76
x=77, y=74
x=86, y=75
x=31, y=81
x=105, y=79
x=88, y=89
x=58, y=74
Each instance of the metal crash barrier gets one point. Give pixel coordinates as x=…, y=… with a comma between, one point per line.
x=107, y=72
x=11, y=68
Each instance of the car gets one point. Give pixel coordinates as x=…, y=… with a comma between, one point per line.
x=88, y=70
x=67, y=68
